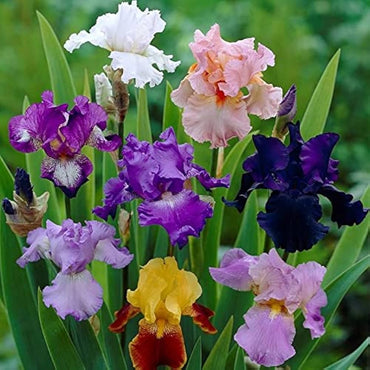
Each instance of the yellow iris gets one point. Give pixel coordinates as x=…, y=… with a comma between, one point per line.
x=164, y=292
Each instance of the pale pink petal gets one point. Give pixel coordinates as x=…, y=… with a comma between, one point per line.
x=313, y=318
x=266, y=338
x=205, y=119
x=181, y=95
x=263, y=100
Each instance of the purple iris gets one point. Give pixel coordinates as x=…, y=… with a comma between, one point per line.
x=62, y=134
x=296, y=174
x=279, y=290
x=72, y=247
x=159, y=174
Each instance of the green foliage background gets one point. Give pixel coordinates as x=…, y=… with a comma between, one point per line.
x=302, y=34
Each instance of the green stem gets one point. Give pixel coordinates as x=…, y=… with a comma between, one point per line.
x=67, y=202
x=285, y=255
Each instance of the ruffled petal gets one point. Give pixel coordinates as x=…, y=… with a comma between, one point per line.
x=234, y=270
x=267, y=339
x=207, y=119
x=105, y=143
x=200, y=315
x=147, y=351
x=206, y=180
x=39, y=247
x=127, y=312
x=71, y=245
x=267, y=164
x=181, y=95
x=116, y=192
x=67, y=174
x=182, y=215
x=106, y=249
x=137, y=67
x=291, y=221
x=313, y=318
x=78, y=295
x=344, y=212
x=316, y=163
x=263, y=100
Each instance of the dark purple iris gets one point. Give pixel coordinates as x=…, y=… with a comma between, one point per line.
x=157, y=173
x=296, y=174
x=62, y=134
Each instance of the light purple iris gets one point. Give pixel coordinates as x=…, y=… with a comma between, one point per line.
x=280, y=290
x=72, y=247
x=62, y=134
x=158, y=174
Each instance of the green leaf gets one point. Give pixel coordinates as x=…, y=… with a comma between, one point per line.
x=172, y=116
x=109, y=341
x=346, y=362
x=86, y=344
x=6, y=179
x=60, y=74
x=349, y=246
x=195, y=359
x=218, y=355
x=214, y=225
x=62, y=351
x=249, y=232
x=20, y=304
x=239, y=360
x=144, y=131
x=86, y=90
x=335, y=292
x=314, y=118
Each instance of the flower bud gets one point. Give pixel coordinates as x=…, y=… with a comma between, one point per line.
x=25, y=212
x=286, y=113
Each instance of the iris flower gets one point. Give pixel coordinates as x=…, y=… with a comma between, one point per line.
x=62, y=134
x=279, y=290
x=72, y=247
x=159, y=173
x=127, y=34
x=164, y=293
x=297, y=174
x=215, y=107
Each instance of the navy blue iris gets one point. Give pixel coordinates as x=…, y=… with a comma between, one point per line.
x=296, y=174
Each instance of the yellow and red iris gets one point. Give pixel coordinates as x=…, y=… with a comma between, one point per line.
x=164, y=293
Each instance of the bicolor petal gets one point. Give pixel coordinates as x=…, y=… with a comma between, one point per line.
x=181, y=214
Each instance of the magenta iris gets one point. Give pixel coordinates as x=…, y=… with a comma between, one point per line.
x=296, y=174
x=158, y=173
x=62, y=134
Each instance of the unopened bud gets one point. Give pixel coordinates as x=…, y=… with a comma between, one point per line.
x=286, y=113
x=25, y=212
x=124, y=220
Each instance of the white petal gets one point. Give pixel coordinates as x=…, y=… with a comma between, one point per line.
x=103, y=89
x=136, y=67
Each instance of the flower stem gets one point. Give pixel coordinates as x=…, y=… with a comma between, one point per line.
x=67, y=202
x=220, y=162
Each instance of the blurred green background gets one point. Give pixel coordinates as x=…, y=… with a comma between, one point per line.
x=302, y=34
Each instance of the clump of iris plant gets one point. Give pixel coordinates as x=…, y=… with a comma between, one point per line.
x=297, y=174
x=280, y=289
x=159, y=174
x=215, y=106
x=164, y=293
x=71, y=247
x=127, y=34
x=62, y=134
